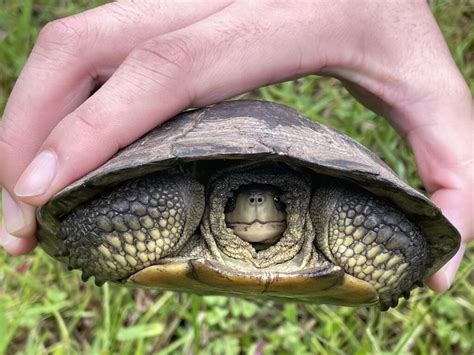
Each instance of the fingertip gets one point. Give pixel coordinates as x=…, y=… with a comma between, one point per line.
x=16, y=246
x=19, y=218
x=442, y=280
x=439, y=282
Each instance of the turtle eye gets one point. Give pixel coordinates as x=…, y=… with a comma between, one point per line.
x=279, y=204
x=230, y=205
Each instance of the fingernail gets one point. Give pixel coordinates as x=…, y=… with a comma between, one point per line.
x=37, y=177
x=14, y=218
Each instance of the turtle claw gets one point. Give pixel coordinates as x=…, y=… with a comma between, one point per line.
x=99, y=283
x=419, y=283
x=406, y=294
x=394, y=302
x=85, y=276
x=389, y=303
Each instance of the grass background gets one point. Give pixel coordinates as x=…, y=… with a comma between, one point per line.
x=44, y=309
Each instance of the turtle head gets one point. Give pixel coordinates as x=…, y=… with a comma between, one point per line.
x=256, y=214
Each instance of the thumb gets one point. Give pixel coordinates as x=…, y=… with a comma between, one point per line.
x=457, y=207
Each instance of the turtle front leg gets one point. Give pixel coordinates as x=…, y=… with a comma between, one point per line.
x=133, y=226
x=371, y=239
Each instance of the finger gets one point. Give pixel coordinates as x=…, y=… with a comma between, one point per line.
x=442, y=280
x=16, y=216
x=444, y=155
x=197, y=65
x=70, y=56
x=14, y=245
x=457, y=205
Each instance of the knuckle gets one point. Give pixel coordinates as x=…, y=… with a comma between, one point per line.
x=67, y=32
x=87, y=119
x=176, y=52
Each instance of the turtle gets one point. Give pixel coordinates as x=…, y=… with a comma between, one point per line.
x=249, y=198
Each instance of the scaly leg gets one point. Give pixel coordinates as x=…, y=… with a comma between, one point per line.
x=371, y=239
x=131, y=227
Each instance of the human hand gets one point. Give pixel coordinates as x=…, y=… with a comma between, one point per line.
x=392, y=56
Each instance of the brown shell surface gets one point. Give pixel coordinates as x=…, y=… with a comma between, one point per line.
x=254, y=130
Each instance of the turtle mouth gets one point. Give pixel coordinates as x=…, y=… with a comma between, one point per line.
x=256, y=214
x=264, y=232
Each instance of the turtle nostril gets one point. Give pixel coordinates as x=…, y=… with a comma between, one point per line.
x=256, y=199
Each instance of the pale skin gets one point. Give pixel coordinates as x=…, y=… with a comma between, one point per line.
x=155, y=59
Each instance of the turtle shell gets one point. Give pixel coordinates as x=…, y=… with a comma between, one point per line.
x=252, y=131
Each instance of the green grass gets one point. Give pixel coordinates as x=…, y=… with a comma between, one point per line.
x=45, y=309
